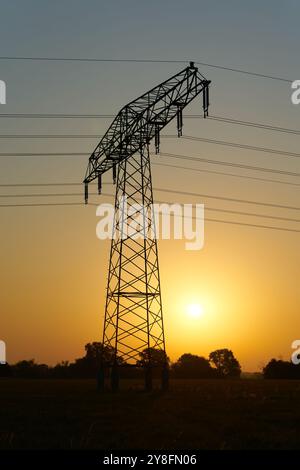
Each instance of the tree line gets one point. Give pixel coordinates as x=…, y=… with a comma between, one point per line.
x=220, y=364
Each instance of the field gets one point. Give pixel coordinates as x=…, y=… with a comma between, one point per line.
x=202, y=414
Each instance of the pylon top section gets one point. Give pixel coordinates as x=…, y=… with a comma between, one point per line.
x=142, y=119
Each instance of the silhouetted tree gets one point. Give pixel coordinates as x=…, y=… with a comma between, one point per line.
x=93, y=351
x=225, y=362
x=156, y=357
x=88, y=366
x=29, y=369
x=96, y=353
x=278, y=369
x=5, y=370
x=190, y=366
x=61, y=370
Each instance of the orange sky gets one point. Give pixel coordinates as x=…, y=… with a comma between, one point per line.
x=53, y=287
x=53, y=268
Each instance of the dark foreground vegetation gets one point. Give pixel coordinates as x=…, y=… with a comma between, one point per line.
x=201, y=414
x=220, y=364
x=208, y=405
x=278, y=369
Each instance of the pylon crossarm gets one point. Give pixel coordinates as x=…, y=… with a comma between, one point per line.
x=143, y=119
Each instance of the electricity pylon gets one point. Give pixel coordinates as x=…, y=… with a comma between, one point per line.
x=133, y=325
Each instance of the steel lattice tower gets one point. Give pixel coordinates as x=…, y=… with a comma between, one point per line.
x=133, y=314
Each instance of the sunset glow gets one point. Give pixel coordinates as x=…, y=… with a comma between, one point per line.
x=194, y=310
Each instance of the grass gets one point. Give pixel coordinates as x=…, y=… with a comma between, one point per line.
x=201, y=414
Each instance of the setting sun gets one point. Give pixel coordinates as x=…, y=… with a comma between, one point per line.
x=195, y=310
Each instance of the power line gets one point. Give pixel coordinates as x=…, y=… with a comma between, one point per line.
x=251, y=214
x=45, y=204
x=93, y=59
x=45, y=154
x=171, y=191
x=31, y=185
x=157, y=189
x=252, y=225
x=171, y=136
x=176, y=192
x=180, y=167
x=259, y=125
x=51, y=136
x=237, y=145
x=223, y=198
x=231, y=164
x=222, y=119
x=183, y=157
x=245, y=224
x=17, y=185
x=55, y=116
x=199, y=170
x=246, y=72
x=158, y=61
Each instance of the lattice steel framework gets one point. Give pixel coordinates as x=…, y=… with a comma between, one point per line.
x=133, y=314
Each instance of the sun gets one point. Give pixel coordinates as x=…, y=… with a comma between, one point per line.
x=194, y=310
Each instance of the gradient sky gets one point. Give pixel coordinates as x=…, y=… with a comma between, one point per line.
x=53, y=269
